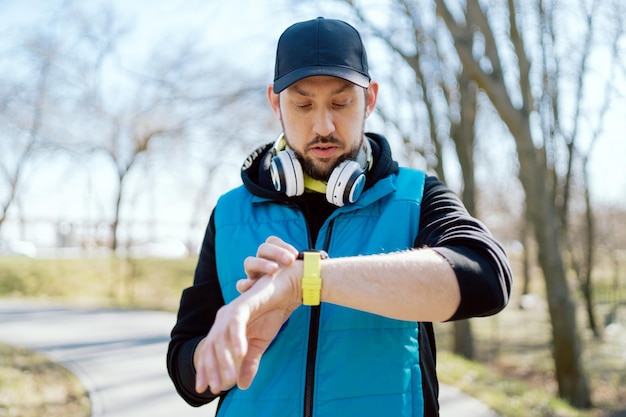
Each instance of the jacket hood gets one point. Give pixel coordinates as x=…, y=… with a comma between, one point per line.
x=256, y=177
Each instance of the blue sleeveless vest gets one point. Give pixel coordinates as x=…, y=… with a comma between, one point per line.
x=364, y=364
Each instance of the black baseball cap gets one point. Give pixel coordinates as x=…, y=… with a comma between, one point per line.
x=320, y=47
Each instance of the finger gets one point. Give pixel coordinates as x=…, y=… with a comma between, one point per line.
x=227, y=369
x=224, y=374
x=274, y=240
x=211, y=354
x=256, y=267
x=231, y=348
x=213, y=372
x=249, y=367
x=202, y=382
x=281, y=243
x=244, y=285
x=284, y=255
x=206, y=370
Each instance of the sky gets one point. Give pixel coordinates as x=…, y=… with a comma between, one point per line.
x=244, y=33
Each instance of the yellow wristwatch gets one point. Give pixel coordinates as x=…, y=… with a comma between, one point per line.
x=311, y=276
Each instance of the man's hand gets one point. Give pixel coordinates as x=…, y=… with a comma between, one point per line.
x=271, y=255
x=243, y=329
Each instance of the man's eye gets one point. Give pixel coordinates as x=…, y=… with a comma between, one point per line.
x=341, y=104
x=303, y=106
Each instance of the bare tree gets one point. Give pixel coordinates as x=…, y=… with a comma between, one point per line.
x=547, y=190
x=25, y=107
x=135, y=117
x=162, y=114
x=582, y=247
x=40, y=116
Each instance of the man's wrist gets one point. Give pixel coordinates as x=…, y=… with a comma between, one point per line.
x=311, y=276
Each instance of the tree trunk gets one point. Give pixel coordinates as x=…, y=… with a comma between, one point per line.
x=463, y=339
x=587, y=283
x=116, y=217
x=463, y=135
x=525, y=254
x=570, y=375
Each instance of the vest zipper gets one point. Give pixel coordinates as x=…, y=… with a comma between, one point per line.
x=310, y=361
x=311, y=357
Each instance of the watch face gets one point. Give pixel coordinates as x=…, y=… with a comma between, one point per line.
x=323, y=254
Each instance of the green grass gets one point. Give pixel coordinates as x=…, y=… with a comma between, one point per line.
x=139, y=283
x=33, y=386
x=508, y=397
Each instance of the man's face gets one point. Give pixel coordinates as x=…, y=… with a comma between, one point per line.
x=323, y=119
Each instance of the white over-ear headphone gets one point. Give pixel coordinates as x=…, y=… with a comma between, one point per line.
x=345, y=183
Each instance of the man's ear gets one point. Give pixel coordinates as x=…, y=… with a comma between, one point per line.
x=372, y=95
x=274, y=100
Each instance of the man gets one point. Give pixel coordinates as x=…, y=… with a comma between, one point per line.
x=272, y=325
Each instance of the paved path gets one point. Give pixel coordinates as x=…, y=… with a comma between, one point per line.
x=120, y=358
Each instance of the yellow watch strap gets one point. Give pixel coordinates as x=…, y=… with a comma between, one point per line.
x=311, y=278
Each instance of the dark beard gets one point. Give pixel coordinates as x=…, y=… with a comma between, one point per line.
x=318, y=173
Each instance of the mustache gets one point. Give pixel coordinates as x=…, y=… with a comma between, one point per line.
x=330, y=139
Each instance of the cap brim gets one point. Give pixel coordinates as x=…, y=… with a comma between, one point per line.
x=348, y=74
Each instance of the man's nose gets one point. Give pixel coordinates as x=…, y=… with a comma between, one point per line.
x=323, y=124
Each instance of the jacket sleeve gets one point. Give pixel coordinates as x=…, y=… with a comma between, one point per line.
x=198, y=306
x=479, y=261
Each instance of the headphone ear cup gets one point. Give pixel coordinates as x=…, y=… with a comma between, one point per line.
x=286, y=173
x=345, y=184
